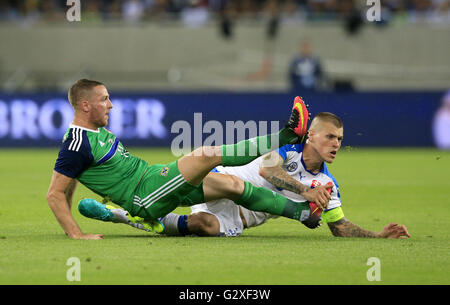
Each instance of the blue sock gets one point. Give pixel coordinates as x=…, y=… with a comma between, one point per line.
x=182, y=225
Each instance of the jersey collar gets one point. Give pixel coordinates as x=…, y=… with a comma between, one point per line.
x=83, y=128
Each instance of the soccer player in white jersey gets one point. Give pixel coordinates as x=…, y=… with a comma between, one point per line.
x=297, y=172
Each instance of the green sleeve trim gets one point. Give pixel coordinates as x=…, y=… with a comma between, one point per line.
x=332, y=215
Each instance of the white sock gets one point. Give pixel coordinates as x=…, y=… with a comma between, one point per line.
x=170, y=222
x=120, y=216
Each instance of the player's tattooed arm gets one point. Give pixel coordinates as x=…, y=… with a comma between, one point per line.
x=272, y=171
x=345, y=228
x=280, y=179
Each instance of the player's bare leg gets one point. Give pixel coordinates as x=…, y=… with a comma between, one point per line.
x=203, y=224
x=197, y=164
x=217, y=186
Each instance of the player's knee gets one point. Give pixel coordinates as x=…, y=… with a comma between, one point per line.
x=203, y=224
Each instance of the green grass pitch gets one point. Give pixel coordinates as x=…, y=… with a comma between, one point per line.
x=378, y=186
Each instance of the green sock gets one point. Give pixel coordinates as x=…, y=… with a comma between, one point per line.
x=264, y=200
x=246, y=151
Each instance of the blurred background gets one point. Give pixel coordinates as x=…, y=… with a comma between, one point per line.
x=163, y=60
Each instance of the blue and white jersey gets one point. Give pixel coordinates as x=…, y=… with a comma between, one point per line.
x=294, y=165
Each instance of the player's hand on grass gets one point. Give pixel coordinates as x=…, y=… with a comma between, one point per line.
x=319, y=195
x=394, y=230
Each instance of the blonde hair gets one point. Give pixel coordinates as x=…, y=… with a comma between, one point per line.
x=80, y=89
x=326, y=117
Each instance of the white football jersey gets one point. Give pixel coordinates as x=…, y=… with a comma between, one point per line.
x=294, y=166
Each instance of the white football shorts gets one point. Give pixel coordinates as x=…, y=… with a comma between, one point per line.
x=227, y=213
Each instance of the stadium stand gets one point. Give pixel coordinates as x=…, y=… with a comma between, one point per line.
x=222, y=45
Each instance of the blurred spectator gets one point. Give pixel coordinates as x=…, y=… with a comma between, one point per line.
x=292, y=13
x=30, y=11
x=351, y=15
x=396, y=9
x=113, y=11
x=91, y=12
x=50, y=12
x=272, y=10
x=197, y=12
x=441, y=124
x=133, y=10
x=305, y=70
x=323, y=9
x=441, y=12
x=156, y=9
x=226, y=14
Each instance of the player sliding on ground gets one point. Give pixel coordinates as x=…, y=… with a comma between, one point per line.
x=93, y=156
x=299, y=173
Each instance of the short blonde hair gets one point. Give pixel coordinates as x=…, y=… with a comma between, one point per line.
x=327, y=117
x=80, y=89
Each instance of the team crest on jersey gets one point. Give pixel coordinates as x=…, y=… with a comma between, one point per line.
x=164, y=171
x=292, y=167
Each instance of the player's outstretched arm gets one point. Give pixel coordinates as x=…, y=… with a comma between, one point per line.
x=59, y=197
x=345, y=228
x=271, y=170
